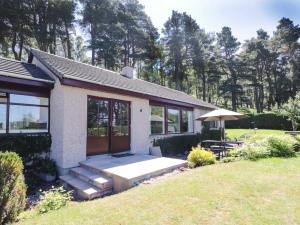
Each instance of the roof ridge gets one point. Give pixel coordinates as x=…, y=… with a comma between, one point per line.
x=72, y=60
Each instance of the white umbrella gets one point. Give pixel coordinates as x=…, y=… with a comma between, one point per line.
x=221, y=115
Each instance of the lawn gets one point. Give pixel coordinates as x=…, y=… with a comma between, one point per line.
x=244, y=192
x=246, y=133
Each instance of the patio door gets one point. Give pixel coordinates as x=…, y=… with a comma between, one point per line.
x=108, y=126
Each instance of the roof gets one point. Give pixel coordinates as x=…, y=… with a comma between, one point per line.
x=17, y=69
x=66, y=68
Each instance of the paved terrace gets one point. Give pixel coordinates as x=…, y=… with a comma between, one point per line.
x=127, y=171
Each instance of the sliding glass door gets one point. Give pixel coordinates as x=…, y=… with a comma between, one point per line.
x=108, y=124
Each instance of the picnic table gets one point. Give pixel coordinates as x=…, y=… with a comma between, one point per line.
x=220, y=148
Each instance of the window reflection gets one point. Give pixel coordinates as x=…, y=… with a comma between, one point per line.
x=2, y=118
x=173, y=121
x=157, y=120
x=25, y=99
x=28, y=119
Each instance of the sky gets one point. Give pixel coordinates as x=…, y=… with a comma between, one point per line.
x=244, y=17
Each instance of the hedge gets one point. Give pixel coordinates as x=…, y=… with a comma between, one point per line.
x=180, y=144
x=27, y=146
x=261, y=121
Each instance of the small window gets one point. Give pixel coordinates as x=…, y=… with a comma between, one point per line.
x=157, y=120
x=187, y=121
x=173, y=121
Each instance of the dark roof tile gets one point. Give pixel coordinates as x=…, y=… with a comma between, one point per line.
x=66, y=68
x=17, y=69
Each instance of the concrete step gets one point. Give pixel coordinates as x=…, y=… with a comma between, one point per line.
x=100, y=181
x=83, y=189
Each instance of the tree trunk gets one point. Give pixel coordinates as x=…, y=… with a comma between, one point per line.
x=69, y=53
x=93, y=43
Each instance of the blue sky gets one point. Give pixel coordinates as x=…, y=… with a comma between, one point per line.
x=245, y=17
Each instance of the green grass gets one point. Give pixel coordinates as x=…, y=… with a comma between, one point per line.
x=246, y=133
x=244, y=192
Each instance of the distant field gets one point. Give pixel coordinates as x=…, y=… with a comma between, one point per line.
x=244, y=133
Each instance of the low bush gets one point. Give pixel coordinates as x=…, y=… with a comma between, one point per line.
x=177, y=144
x=273, y=146
x=47, y=166
x=53, y=199
x=229, y=159
x=27, y=146
x=254, y=153
x=280, y=147
x=200, y=157
x=12, y=187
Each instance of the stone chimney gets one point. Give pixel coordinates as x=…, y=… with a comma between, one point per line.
x=129, y=72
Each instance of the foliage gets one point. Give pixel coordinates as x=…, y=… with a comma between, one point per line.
x=291, y=109
x=280, y=147
x=45, y=165
x=271, y=121
x=261, y=73
x=200, y=157
x=177, y=144
x=12, y=187
x=28, y=146
x=229, y=159
x=272, y=146
x=53, y=199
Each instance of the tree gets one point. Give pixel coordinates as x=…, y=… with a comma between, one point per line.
x=291, y=109
x=228, y=46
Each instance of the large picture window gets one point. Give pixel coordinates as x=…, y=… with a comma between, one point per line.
x=157, y=120
x=187, y=121
x=173, y=121
x=23, y=114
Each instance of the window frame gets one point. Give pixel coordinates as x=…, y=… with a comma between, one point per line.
x=166, y=107
x=8, y=104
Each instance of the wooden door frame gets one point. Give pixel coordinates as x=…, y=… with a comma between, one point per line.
x=110, y=116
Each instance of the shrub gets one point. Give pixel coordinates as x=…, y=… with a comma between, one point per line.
x=200, y=157
x=280, y=147
x=229, y=159
x=12, y=187
x=177, y=144
x=27, y=146
x=53, y=199
x=46, y=165
x=255, y=152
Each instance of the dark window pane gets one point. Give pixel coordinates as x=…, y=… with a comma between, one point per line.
x=120, y=122
x=25, y=99
x=2, y=118
x=28, y=119
x=3, y=97
x=98, y=117
x=157, y=120
x=173, y=121
x=187, y=121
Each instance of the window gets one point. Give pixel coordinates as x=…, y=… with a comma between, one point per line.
x=2, y=118
x=173, y=121
x=187, y=121
x=157, y=120
x=27, y=114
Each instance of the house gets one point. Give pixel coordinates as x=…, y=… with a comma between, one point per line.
x=89, y=110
